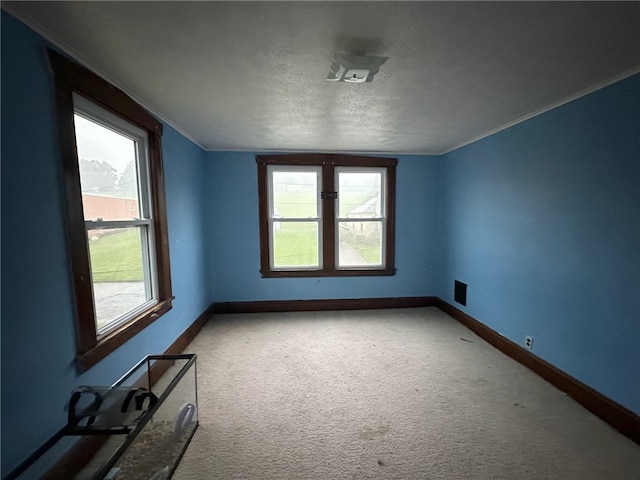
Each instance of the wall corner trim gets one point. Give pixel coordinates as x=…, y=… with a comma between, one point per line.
x=617, y=416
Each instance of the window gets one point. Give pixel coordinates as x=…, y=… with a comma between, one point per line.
x=326, y=215
x=116, y=219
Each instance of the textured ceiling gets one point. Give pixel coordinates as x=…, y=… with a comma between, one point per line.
x=251, y=75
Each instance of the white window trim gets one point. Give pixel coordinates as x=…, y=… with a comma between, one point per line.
x=145, y=224
x=271, y=169
x=382, y=219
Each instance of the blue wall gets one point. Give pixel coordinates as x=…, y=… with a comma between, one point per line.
x=543, y=222
x=38, y=339
x=234, y=260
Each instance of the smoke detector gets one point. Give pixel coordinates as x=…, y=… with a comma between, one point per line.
x=354, y=68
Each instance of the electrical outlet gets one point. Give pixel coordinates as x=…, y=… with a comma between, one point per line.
x=528, y=342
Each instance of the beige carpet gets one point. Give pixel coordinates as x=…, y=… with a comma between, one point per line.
x=386, y=394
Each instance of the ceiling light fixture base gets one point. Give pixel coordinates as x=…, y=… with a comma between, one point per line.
x=354, y=68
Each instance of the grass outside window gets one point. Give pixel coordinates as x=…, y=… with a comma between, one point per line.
x=116, y=256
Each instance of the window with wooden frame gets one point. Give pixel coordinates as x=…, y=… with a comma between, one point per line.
x=116, y=215
x=326, y=215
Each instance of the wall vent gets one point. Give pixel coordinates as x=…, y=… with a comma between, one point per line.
x=460, y=292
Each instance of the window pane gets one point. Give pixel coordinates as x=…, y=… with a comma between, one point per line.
x=118, y=272
x=295, y=244
x=359, y=194
x=108, y=172
x=295, y=194
x=360, y=244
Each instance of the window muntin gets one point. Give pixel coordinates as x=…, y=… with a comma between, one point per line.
x=363, y=222
x=139, y=218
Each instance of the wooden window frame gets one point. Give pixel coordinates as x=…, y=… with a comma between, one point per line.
x=72, y=78
x=328, y=162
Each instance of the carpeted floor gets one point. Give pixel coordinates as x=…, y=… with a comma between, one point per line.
x=385, y=394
